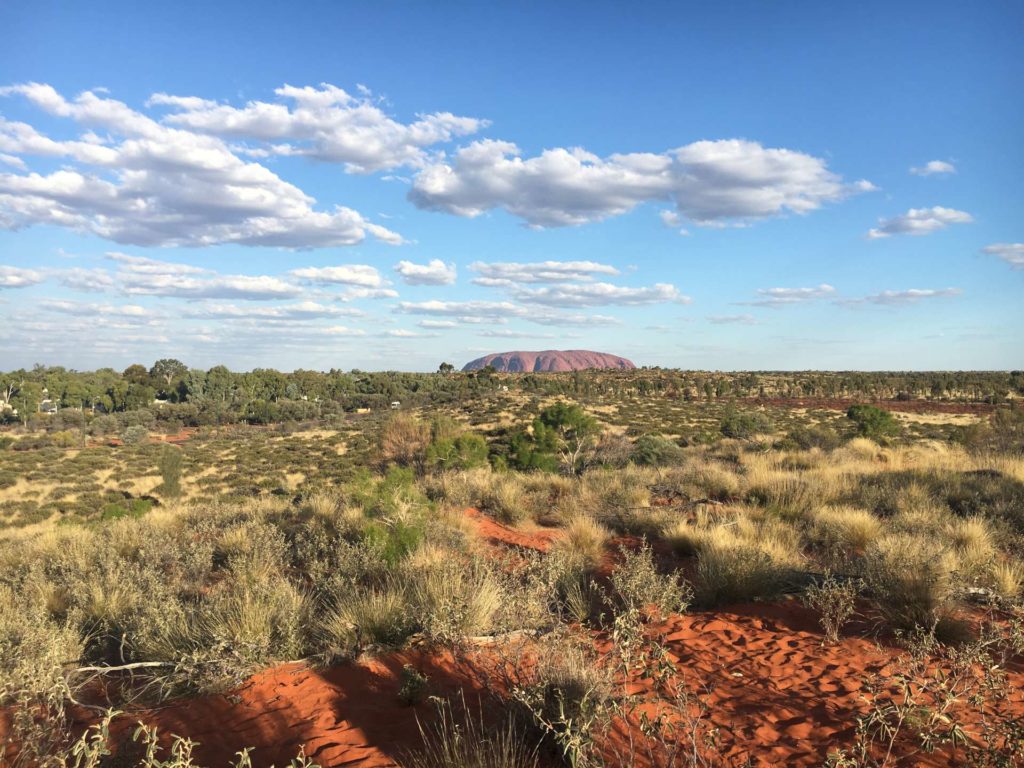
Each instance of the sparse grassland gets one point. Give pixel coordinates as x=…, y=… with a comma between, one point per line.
x=611, y=538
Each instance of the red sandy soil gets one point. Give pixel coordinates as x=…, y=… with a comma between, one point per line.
x=903, y=406
x=499, y=534
x=775, y=694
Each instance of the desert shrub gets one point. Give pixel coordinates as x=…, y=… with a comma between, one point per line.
x=744, y=425
x=656, y=451
x=583, y=541
x=972, y=541
x=821, y=437
x=465, y=741
x=612, y=450
x=568, y=697
x=835, y=601
x=911, y=579
x=639, y=585
x=504, y=499
x=1006, y=579
x=365, y=616
x=403, y=441
x=254, y=625
x=135, y=435
x=462, y=452
x=454, y=599
x=732, y=572
x=126, y=508
x=412, y=685
x=847, y=530
x=33, y=688
x=873, y=422
x=393, y=540
x=170, y=466
x=742, y=559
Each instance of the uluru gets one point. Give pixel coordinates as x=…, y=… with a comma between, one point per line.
x=549, y=361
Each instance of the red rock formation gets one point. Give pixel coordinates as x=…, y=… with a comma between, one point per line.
x=549, y=360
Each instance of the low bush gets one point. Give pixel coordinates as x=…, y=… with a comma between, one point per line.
x=910, y=578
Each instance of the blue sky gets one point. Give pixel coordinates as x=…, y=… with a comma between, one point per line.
x=390, y=185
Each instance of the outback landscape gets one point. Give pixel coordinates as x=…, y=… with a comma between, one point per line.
x=595, y=568
x=405, y=384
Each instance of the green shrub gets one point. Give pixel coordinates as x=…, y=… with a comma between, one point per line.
x=744, y=425
x=171, y=461
x=135, y=435
x=873, y=422
x=656, y=451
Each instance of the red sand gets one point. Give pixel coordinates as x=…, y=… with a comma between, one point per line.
x=498, y=534
x=775, y=695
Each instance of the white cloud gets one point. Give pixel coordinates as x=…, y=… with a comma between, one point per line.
x=146, y=183
x=1011, y=253
x=710, y=182
x=144, y=265
x=732, y=319
x=780, y=297
x=920, y=221
x=933, y=167
x=129, y=312
x=898, y=298
x=435, y=272
x=324, y=123
x=508, y=334
x=402, y=333
x=508, y=274
x=361, y=275
x=600, y=294
x=19, y=277
x=472, y=309
x=342, y=330
x=437, y=324
x=298, y=311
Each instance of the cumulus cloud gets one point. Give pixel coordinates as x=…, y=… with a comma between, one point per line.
x=361, y=275
x=933, y=167
x=302, y=310
x=508, y=334
x=732, y=319
x=899, y=298
x=472, y=312
x=712, y=183
x=1011, y=253
x=600, y=294
x=782, y=297
x=129, y=312
x=508, y=274
x=920, y=221
x=437, y=324
x=147, y=183
x=325, y=123
x=435, y=272
x=19, y=277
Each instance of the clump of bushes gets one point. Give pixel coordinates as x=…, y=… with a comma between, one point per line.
x=873, y=422
x=743, y=425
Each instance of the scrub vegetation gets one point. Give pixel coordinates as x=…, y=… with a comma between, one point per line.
x=559, y=534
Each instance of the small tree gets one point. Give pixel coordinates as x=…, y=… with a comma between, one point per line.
x=873, y=422
x=570, y=429
x=445, y=368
